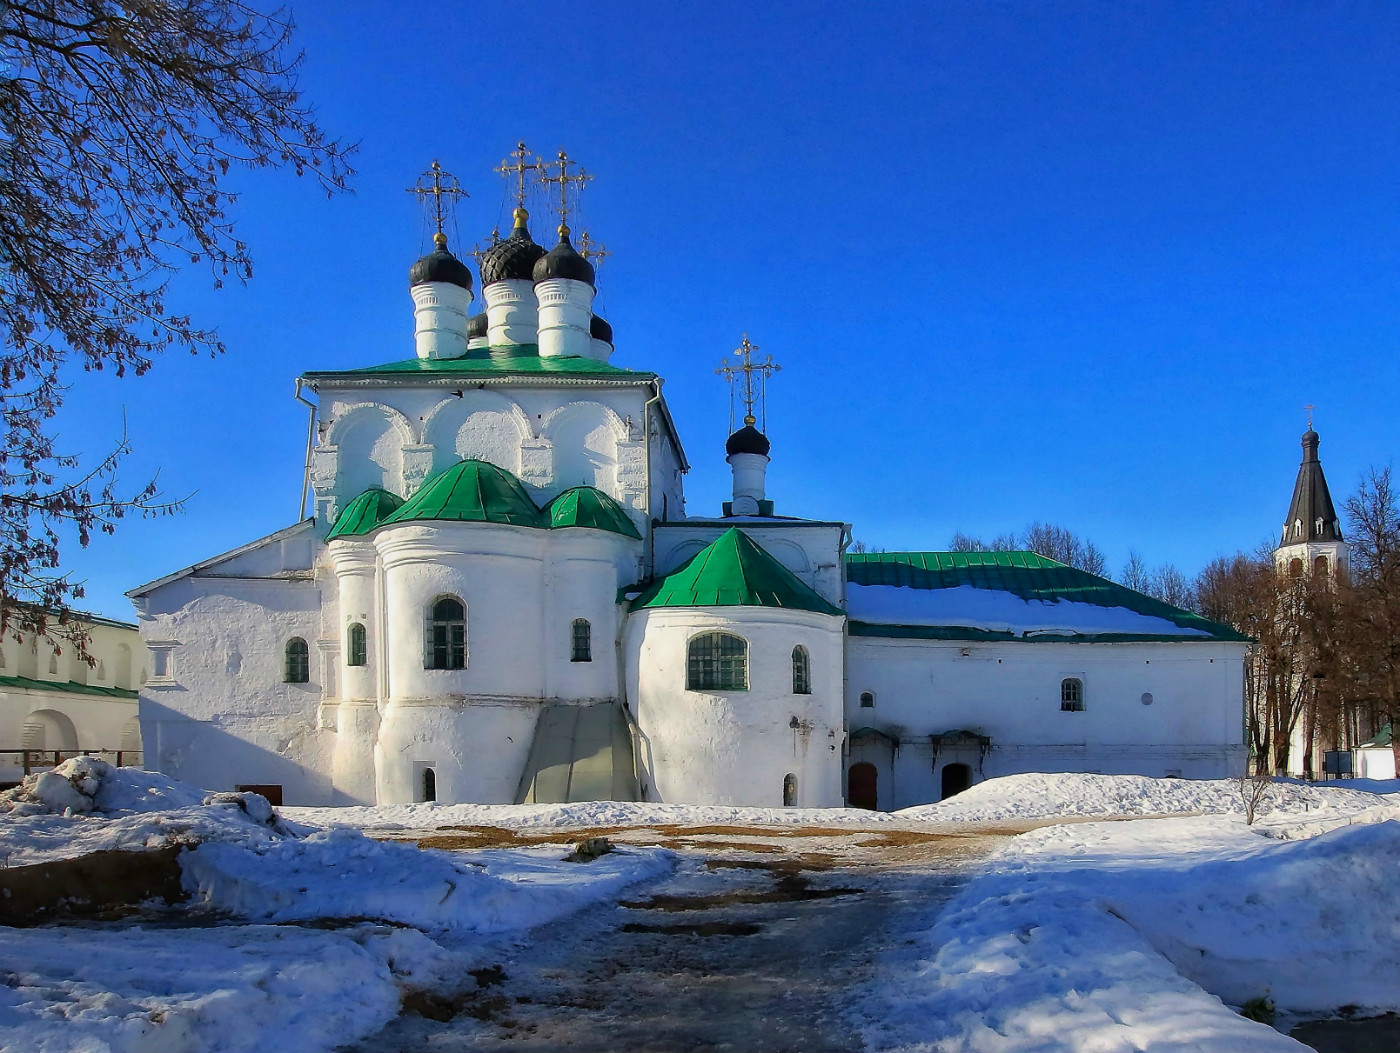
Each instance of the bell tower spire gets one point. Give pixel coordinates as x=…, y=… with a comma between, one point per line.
x=1311, y=540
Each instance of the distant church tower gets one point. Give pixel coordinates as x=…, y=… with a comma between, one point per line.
x=1312, y=535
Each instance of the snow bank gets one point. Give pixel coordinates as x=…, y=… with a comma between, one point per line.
x=219, y=990
x=343, y=874
x=1127, y=936
x=87, y=805
x=574, y=816
x=1047, y=796
x=969, y=607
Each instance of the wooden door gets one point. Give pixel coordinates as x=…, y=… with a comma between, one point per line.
x=861, y=786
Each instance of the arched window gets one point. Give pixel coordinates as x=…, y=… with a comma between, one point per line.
x=1071, y=695
x=789, y=790
x=1320, y=565
x=446, y=646
x=581, y=637
x=801, y=671
x=356, y=653
x=867, y=700
x=1295, y=568
x=298, y=665
x=717, y=662
x=429, y=784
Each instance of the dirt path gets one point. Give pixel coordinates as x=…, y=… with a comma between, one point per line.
x=754, y=943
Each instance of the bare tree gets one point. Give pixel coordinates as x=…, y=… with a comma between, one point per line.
x=1170, y=585
x=1134, y=573
x=1064, y=545
x=119, y=123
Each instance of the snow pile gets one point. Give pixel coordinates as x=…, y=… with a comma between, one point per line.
x=575, y=816
x=969, y=607
x=343, y=874
x=1128, y=935
x=86, y=805
x=1048, y=796
x=219, y=990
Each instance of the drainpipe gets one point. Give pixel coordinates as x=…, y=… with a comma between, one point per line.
x=310, y=437
x=646, y=438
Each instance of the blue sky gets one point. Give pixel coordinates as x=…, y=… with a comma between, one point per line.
x=1075, y=262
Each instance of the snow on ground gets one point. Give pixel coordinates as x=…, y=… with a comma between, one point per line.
x=341, y=873
x=575, y=816
x=974, y=608
x=1041, y=796
x=1121, y=936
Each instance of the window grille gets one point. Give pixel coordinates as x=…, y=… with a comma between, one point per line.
x=298, y=667
x=801, y=671
x=717, y=662
x=1071, y=696
x=446, y=644
x=582, y=638
x=356, y=653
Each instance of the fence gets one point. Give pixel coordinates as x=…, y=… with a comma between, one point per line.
x=41, y=760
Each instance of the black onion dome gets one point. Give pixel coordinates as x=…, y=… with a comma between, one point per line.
x=440, y=266
x=599, y=329
x=748, y=439
x=563, y=261
x=476, y=325
x=512, y=258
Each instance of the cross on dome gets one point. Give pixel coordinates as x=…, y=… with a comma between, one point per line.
x=563, y=180
x=590, y=249
x=1310, y=407
x=444, y=185
x=750, y=393
x=518, y=168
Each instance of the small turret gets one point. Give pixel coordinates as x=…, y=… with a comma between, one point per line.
x=441, y=287
x=1312, y=534
x=564, y=293
x=508, y=286
x=602, y=334
x=747, y=451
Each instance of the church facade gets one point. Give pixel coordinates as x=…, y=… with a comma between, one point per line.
x=501, y=597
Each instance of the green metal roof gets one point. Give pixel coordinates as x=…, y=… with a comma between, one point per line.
x=587, y=506
x=1028, y=575
x=514, y=358
x=67, y=687
x=365, y=513
x=474, y=492
x=1382, y=738
x=733, y=571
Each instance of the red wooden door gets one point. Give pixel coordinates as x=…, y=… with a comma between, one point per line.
x=860, y=786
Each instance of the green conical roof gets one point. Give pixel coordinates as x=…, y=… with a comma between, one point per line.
x=733, y=571
x=472, y=492
x=365, y=513
x=586, y=506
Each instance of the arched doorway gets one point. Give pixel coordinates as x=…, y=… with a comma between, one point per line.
x=429, y=784
x=789, y=790
x=861, y=786
x=956, y=779
x=48, y=729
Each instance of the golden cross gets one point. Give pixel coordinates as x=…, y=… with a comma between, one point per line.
x=506, y=169
x=1309, y=407
x=590, y=249
x=444, y=185
x=564, y=179
x=764, y=370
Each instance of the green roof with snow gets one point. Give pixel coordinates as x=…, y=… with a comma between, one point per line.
x=1028, y=576
x=471, y=492
x=733, y=571
x=587, y=506
x=67, y=687
x=510, y=359
x=365, y=513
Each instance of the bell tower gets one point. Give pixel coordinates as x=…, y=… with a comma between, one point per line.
x=1311, y=541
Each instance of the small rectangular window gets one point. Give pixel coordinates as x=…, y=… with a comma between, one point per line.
x=582, y=650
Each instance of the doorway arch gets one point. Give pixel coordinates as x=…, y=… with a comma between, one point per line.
x=956, y=779
x=48, y=729
x=862, y=786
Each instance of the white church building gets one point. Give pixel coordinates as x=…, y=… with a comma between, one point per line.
x=501, y=597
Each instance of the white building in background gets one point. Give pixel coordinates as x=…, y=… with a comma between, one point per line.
x=501, y=598
x=52, y=701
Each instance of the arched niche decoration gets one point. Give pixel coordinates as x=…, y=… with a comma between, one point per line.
x=481, y=425
x=585, y=437
x=369, y=439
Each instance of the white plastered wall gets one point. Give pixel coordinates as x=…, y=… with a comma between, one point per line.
x=737, y=747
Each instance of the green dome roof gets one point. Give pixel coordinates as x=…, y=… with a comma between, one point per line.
x=472, y=492
x=733, y=571
x=585, y=506
x=365, y=513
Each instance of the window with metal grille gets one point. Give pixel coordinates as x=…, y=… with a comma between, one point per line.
x=801, y=671
x=298, y=665
x=1071, y=695
x=446, y=644
x=717, y=662
x=582, y=636
x=355, y=649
